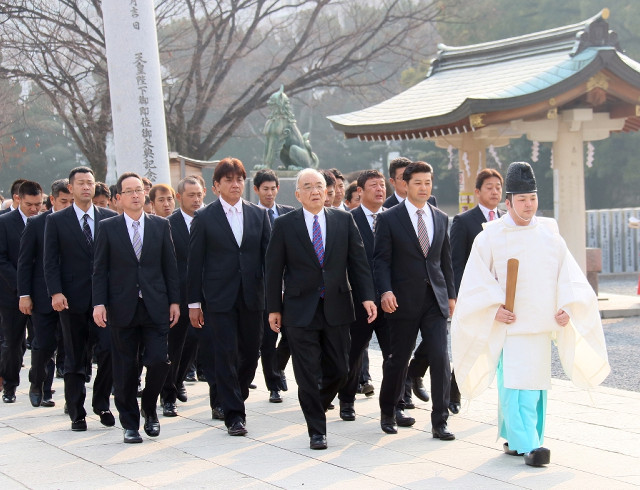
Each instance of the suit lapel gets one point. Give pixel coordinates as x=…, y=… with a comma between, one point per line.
x=405, y=221
x=332, y=231
x=149, y=235
x=76, y=231
x=182, y=231
x=303, y=235
x=217, y=211
x=124, y=237
x=249, y=222
x=363, y=225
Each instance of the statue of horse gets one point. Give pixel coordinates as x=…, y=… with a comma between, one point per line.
x=283, y=138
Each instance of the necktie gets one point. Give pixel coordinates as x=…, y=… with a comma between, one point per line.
x=236, y=225
x=272, y=216
x=375, y=220
x=492, y=215
x=137, y=241
x=87, y=231
x=318, y=246
x=423, y=236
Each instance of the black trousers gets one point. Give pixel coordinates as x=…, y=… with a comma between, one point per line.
x=45, y=326
x=283, y=353
x=320, y=356
x=361, y=333
x=269, y=357
x=13, y=323
x=419, y=365
x=402, y=340
x=78, y=332
x=176, y=339
x=142, y=331
x=206, y=353
x=237, y=337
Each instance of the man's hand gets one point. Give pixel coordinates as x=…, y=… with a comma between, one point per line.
x=388, y=302
x=59, y=302
x=372, y=311
x=196, y=317
x=25, y=305
x=100, y=315
x=275, y=321
x=174, y=314
x=505, y=316
x=562, y=318
x=452, y=306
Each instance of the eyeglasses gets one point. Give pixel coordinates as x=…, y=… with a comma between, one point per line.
x=132, y=192
x=311, y=188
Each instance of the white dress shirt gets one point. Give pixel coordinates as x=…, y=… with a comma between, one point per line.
x=23, y=216
x=129, y=221
x=80, y=214
x=400, y=199
x=486, y=210
x=273, y=208
x=368, y=213
x=187, y=219
x=322, y=220
x=427, y=217
x=234, y=213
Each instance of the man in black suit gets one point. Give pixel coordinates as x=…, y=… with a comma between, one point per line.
x=320, y=254
x=137, y=290
x=396, y=169
x=35, y=300
x=412, y=262
x=13, y=321
x=15, y=198
x=371, y=187
x=266, y=187
x=190, y=195
x=226, y=271
x=68, y=266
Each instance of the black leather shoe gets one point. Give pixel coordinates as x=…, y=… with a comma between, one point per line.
x=169, y=409
x=417, y=386
x=201, y=377
x=217, y=413
x=443, y=433
x=538, y=457
x=237, y=428
x=48, y=402
x=252, y=386
x=510, y=452
x=404, y=420
x=132, y=436
x=9, y=395
x=318, y=441
x=151, y=423
x=366, y=389
x=274, y=397
x=79, y=425
x=182, y=393
x=35, y=395
x=454, y=408
x=347, y=411
x=106, y=417
x=388, y=424
x=283, y=382
x=191, y=377
x=408, y=402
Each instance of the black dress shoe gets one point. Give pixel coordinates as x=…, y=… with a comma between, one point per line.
x=182, y=393
x=9, y=395
x=443, y=433
x=132, y=436
x=202, y=377
x=252, y=386
x=106, y=417
x=48, y=402
x=510, y=452
x=454, y=408
x=417, y=386
x=408, y=402
x=151, y=423
x=404, y=420
x=283, y=382
x=366, y=389
x=538, y=457
x=318, y=441
x=237, y=428
x=35, y=395
x=388, y=424
x=274, y=397
x=191, y=377
x=347, y=411
x=331, y=406
x=79, y=425
x=59, y=373
x=217, y=413
x=169, y=409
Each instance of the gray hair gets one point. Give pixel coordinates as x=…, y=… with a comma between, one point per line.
x=306, y=171
x=58, y=186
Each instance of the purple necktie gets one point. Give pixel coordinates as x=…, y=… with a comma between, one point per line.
x=317, y=246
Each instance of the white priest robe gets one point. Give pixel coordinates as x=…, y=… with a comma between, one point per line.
x=549, y=279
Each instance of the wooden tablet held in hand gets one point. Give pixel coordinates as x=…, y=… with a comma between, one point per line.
x=512, y=279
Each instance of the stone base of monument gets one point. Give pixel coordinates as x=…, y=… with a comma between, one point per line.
x=594, y=266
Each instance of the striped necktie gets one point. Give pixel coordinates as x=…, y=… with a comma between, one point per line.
x=137, y=242
x=423, y=235
x=318, y=247
x=87, y=231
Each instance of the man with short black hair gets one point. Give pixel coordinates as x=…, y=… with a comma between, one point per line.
x=102, y=196
x=397, y=167
x=351, y=196
x=15, y=198
x=163, y=199
x=339, y=190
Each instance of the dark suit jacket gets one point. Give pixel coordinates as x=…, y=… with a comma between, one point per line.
x=68, y=259
x=11, y=227
x=218, y=267
x=400, y=265
x=31, y=264
x=291, y=253
x=180, y=235
x=464, y=229
x=392, y=200
x=118, y=276
x=284, y=209
x=5, y=211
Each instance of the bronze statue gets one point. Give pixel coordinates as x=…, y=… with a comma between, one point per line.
x=283, y=137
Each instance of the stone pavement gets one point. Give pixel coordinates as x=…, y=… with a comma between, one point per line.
x=594, y=440
x=618, y=305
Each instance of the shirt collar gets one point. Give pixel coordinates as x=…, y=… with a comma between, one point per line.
x=227, y=207
x=22, y=215
x=310, y=215
x=368, y=212
x=128, y=219
x=80, y=213
x=400, y=199
x=187, y=219
x=260, y=205
x=412, y=209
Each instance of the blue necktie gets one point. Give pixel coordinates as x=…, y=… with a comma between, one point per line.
x=318, y=246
